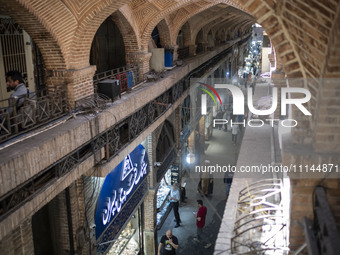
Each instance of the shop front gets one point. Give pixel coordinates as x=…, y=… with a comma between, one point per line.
x=171, y=176
x=119, y=210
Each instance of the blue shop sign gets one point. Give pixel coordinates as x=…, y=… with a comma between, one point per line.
x=119, y=186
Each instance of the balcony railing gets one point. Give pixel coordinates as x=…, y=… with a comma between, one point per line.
x=128, y=77
x=322, y=236
x=45, y=106
x=183, y=52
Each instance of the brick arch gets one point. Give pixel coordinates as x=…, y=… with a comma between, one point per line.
x=129, y=34
x=37, y=27
x=233, y=20
x=164, y=33
x=186, y=34
x=168, y=132
x=223, y=34
x=180, y=20
x=259, y=9
x=198, y=23
x=331, y=67
x=199, y=38
x=207, y=25
x=214, y=34
x=242, y=24
x=219, y=33
x=153, y=17
x=90, y=21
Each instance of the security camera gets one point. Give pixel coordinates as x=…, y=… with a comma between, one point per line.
x=93, y=226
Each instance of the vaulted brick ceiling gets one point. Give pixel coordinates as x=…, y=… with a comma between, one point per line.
x=303, y=34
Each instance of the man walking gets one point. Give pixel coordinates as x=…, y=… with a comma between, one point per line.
x=169, y=243
x=200, y=222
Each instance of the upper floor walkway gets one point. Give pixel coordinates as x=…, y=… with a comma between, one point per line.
x=89, y=142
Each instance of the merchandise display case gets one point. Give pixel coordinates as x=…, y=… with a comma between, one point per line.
x=127, y=242
x=174, y=174
x=163, y=204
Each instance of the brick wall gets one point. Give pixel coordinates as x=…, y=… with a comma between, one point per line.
x=303, y=185
x=151, y=149
x=130, y=37
x=88, y=192
x=164, y=34
x=302, y=205
x=20, y=241
x=78, y=83
x=150, y=210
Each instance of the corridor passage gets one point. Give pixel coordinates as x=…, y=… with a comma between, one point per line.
x=219, y=150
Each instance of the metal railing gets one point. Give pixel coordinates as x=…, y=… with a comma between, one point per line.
x=260, y=225
x=183, y=53
x=128, y=77
x=322, y=237
x=44, y=106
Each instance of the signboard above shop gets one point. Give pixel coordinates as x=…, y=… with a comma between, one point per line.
x=119, y=187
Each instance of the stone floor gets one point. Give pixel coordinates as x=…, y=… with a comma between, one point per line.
x=256, y=149
x=219, y=150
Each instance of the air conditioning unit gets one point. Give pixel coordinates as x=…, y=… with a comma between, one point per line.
x=110, y=88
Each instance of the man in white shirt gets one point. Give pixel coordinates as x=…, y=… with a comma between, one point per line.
x=234, y=132
x=174, y=201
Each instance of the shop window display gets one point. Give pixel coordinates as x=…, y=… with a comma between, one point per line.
x=163, y=204
x=128, y=241
x=174, y=174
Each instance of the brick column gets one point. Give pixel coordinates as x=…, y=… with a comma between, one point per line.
x=151, y=150
x=192, y=50
x=175, y=54
x=78, y=83
x=150, y=233
x=142, y=59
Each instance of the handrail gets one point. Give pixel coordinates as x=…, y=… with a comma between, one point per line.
x=43, y=107
x=127, y=75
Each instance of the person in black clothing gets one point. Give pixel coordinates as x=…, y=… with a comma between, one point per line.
x=169, y=244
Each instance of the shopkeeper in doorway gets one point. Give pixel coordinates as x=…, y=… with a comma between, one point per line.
x=174, y=201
